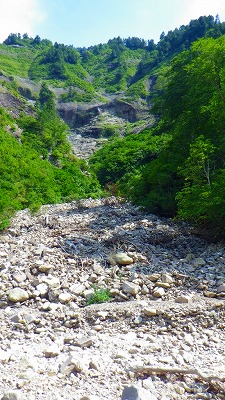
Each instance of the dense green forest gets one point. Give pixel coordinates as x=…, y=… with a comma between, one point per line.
x=174, y=168
x=180, y=171
x=39, y=167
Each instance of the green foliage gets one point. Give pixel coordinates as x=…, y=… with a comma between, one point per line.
x=187, y=175
x=99, y=296
x=112, y=65
x=138, y=90
x=41, y=169
x=47, y=134
x=177, y=168
x=123, y=155
x=15, y=61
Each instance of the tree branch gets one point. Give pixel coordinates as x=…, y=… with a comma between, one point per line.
x=149, y=369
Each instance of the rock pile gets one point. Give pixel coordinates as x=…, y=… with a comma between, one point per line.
x=160, y=335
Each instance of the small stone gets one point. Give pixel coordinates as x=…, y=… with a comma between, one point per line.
x=78, y=365
x=11, y=395
x=42, y=288
x=88, y=293
x=97, y=268
x=95, y=364
x=102, y=314
x=52, y=281
x=130, y=288
x=182, y=299
x=164, y=285
x=44, y=267
x=77, y=288
x=144, y=289
x=136, y=393
x=98, y=328
x=46, y=306
x=158, y=292
x=84, y=342
x=121, y=355
x=189, y=257
x=123, y=259
x=141, y=258
x=208, y=293
x=221, y=288
x=154, y=277
x=166, y=278
x=29, y=318
x=17, y=295
x=199, y=262
x=16, y=318
x=27, y=363
x=66, y=367
x=19, y=277
x=137, y=320
x=52, y=351
x=65, y=297
x=4, y=356
x=149, y=312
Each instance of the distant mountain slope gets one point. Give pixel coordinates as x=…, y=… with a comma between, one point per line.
x=135, y=95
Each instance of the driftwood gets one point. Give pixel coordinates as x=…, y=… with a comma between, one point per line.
x=149, y=370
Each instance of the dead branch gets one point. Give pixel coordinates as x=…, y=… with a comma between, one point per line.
x=149, y=370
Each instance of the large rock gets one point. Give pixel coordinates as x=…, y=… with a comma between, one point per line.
x=52, y=351
x=183, y=299
x=11, y=395
x=17, y=295
x=158, y=292
x=136, y=393
x=123, y=259
x=130, y=288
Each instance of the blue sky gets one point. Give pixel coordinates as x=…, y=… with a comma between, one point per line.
x=90, y=22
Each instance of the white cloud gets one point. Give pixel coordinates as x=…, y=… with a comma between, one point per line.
x=19, y=16
x=197, y=8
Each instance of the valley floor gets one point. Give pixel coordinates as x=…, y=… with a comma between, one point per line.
x=161, y=335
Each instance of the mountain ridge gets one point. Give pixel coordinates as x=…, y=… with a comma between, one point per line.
x=120, y=94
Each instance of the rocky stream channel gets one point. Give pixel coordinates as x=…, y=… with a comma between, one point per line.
x=160, y=335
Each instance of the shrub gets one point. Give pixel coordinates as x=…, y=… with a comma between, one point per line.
x=99, y=296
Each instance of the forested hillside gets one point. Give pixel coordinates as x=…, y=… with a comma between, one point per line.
x=165, y=134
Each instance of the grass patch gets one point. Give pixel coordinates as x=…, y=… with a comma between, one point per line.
x=99, y=296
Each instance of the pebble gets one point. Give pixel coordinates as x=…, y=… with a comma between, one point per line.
x=130, y=288
x=166, y=278
x=182, y=299
x=18, y=295
x=52, y=351
x=137, y=393
x=149, y=312
x=19, y=277
x=11, y=395
x=221, y=288
x=158, y=292
x=123, y=259
x=84, y=342
x=65, y=297
x=42, y=289
x=45, y=267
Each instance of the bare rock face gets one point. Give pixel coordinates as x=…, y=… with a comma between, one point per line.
x=92, y=124
x=78, y=116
